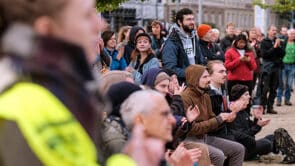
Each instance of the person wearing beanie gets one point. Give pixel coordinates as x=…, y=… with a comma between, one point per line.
x=142, y=58
x=249, y=128
x=128, y=49
x=209, y=49
x=158, y=79
x=197, y=78
x=203, y=29
x=114, y=132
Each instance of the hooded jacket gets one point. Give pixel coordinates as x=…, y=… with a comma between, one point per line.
x=131, y=43
x=174, y=56
x=193, y=95
x=174, y=101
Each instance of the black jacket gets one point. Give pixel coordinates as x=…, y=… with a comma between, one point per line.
x=227, y=131
x=272, y=57
x=226, y=42
x=211, y=51
x=244, y=124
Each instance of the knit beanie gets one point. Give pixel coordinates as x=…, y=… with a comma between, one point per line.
x=118, y=93
x=203, y=29
x=237, y=91
x=143, y=35
x=161, y=77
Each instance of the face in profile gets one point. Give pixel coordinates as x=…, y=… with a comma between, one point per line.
x=163, y=87
x=77, y=23
x=204, y=80
x=246, y=98
x=159, y=122
x=219, y=74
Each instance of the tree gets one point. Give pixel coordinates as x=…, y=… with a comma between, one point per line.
x=108, y=5
x=280, y=6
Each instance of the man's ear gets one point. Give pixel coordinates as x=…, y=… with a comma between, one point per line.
x=138, y=119
x=179, y=22
x=43, y=25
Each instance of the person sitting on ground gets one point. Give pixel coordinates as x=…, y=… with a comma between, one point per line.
x=244, y=124
x=197, y=78
x=219, y=103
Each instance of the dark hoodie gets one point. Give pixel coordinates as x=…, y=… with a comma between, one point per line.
x=114, y=132
x=193, y=95
x=131, y=43
x=175, y=102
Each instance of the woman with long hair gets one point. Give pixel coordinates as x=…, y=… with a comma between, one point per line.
x=142, y=58
x=117, y=62
x=240, y=63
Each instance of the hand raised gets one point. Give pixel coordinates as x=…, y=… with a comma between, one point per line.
x=192, y=113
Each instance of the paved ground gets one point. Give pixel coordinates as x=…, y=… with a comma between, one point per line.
x=286, y=119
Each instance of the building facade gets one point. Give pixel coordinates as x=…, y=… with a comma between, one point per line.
x=216, y=12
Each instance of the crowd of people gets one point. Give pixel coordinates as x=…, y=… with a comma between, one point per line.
x=178, y=97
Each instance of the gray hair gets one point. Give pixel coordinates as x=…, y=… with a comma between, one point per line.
x=215, y=30
x=140, y=102
x=290, y=31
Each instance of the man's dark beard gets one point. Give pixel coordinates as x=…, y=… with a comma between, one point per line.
x=187, y=29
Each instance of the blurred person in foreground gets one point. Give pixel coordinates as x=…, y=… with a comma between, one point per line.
x=49, y=104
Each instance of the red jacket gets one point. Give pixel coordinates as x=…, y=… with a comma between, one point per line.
x=237, y=69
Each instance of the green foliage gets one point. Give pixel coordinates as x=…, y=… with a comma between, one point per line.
x=280, y=6
x=109, y=5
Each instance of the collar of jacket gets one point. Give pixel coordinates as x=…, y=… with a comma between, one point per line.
x=203, y=42
x=174, y=37
x=59, y=55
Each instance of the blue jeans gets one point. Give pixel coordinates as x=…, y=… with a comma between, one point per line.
x=287, y=77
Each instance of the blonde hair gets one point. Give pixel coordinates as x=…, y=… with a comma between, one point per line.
x=210, y=65
x=121, y=34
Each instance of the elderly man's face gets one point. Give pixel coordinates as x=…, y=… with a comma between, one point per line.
x=159, y=121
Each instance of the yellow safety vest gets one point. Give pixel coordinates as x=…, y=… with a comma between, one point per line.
x=51, y=131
